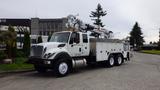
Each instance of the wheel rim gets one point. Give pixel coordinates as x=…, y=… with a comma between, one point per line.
x=63, y=68
x=111, y=61
x=119, y=60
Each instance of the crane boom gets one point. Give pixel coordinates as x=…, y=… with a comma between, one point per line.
x=77, y=24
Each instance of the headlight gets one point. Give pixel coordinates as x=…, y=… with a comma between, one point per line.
x=48, y=55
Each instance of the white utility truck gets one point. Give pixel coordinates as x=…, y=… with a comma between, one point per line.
x=67, y=50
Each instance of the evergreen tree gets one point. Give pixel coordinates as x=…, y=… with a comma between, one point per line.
x=96, y=15
x=26, y=43
x=136, y=38
x=158, y=45
x=40, y=39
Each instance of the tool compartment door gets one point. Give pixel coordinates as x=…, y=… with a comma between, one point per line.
x=101, y=51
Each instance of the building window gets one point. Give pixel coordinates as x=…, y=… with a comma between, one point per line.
x=48, y=26
x=52, y=25
x=44, y=33
x=47, y=32
x=20, y=39
x=56, y=26
x=40, y=32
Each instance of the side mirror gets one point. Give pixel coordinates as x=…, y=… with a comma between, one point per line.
x=71, y=41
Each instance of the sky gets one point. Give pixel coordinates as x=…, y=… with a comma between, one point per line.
x=121, y=14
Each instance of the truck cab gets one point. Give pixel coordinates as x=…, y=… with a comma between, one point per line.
x=76, y=44
x=66, y=44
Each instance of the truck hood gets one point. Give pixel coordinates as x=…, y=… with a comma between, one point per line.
x=41, y=49
x=50, y=45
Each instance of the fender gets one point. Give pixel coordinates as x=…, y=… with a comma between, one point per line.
x=63, y=55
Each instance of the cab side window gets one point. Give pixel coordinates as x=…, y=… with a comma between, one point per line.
x=74, y=38
x=85, y=38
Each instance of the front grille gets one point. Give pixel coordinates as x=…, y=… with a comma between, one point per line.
x=37, y=51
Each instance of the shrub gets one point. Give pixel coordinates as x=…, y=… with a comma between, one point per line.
x=20, y=53
x=2, y=55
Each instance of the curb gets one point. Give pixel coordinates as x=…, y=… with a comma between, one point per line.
x=3, y=74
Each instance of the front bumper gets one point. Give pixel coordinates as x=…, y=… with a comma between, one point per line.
x=39, y=61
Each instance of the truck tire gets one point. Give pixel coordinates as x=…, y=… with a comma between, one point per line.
x=62, y=67
x=40, y=69
x=118, y=60
x=110, y=61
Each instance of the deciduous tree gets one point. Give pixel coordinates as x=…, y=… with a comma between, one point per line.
x=9, y=39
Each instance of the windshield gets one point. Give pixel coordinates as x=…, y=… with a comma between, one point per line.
x=60, y=37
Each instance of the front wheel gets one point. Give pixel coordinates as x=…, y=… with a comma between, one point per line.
x=62, y=68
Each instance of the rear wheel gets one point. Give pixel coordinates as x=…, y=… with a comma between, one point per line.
x=118, y=60
x=62, y=67
x=110, y=61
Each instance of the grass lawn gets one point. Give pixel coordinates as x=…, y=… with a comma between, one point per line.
x=151, y=51
x=18, y=65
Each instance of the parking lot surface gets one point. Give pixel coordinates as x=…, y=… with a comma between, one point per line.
x=141, y=73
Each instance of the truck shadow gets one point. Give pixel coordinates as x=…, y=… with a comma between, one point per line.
x=81, y=70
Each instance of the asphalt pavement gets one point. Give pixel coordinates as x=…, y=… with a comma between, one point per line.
x=141, y=73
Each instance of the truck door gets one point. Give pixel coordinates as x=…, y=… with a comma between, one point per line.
x=85, y=45
x=75, y=47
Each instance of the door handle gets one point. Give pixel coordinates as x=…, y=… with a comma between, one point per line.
x=80, y=49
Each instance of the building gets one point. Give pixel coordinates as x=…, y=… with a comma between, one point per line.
x=20, y=25
x=47, y=26
x=15, y=22
x=35, y=26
